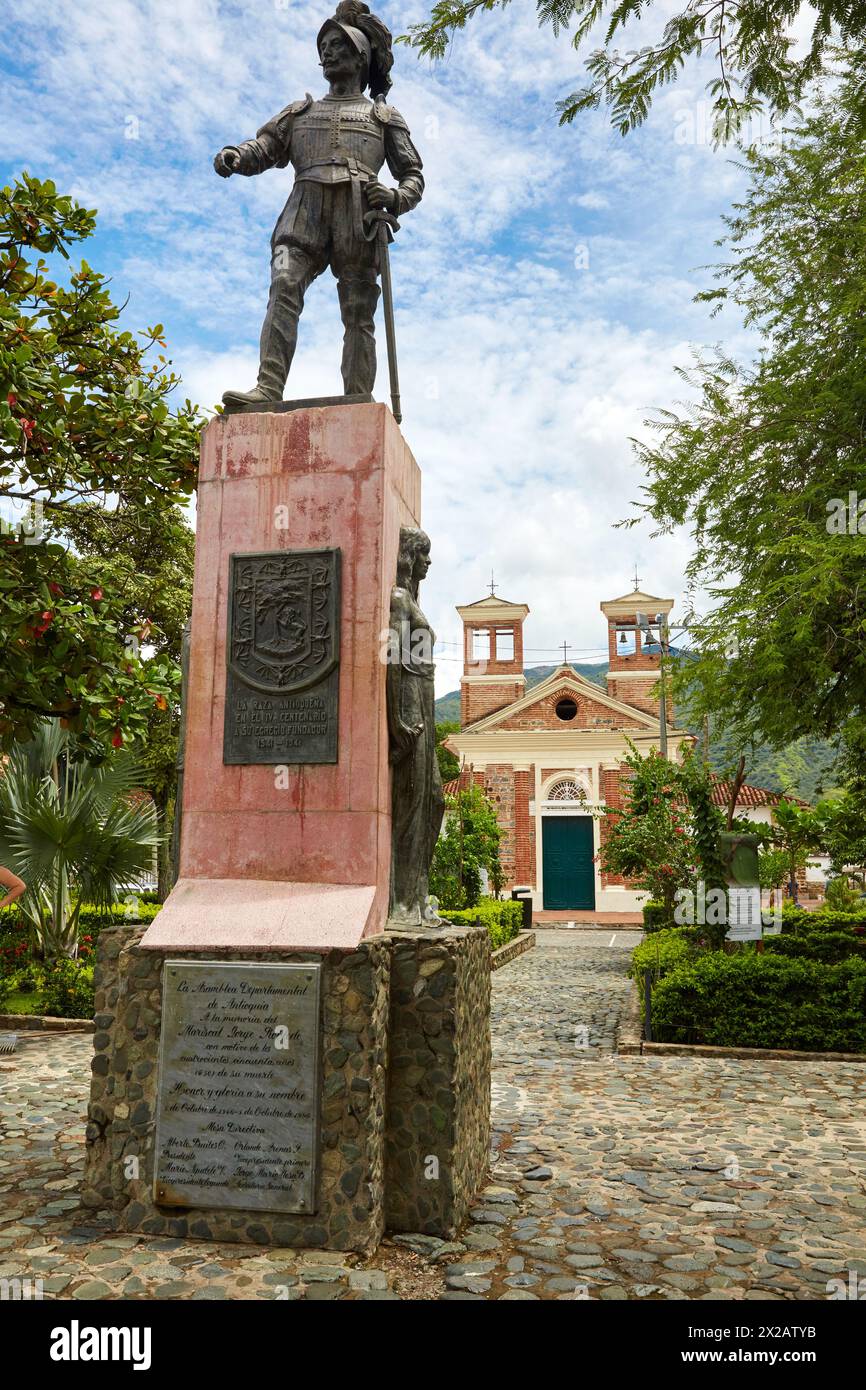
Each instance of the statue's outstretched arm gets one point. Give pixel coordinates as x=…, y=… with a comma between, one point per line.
x=268, y=150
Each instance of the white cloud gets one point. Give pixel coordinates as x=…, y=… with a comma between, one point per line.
x=523, y=375
x=592, y=201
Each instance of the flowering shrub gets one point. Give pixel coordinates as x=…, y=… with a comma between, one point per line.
x=68, y=990
x=656, y=840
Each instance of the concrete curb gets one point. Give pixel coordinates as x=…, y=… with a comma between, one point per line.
x=776, y=1054
x=628, y=1031
x=24, y=1023
x=512, y=949
x=588, y=926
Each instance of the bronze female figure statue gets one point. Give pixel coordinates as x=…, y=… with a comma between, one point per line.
x=417, y=800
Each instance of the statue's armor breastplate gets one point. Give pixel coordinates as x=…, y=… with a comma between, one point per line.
x=335, y=139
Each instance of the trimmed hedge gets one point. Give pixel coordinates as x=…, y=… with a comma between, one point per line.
x=663, y=952
x=502, y=918
x=751, y=1000
x=656, y=917
x=797, y=919
x=829, y=947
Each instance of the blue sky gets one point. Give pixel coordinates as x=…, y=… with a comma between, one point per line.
x=544, y=285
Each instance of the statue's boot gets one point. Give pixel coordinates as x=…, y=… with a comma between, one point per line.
x=268, y=388
x=258, y=396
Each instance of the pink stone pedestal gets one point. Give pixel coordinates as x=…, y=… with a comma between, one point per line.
x=305, y=866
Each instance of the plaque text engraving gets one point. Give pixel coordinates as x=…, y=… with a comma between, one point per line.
x=238, y=1102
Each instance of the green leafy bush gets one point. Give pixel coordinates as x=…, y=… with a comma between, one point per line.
x=469, y=843
x=68, y=990
x=841, y=896
x=664, y=951
x=656, y=916
x=503, y=919
x=797, y=919
x=827, y=946
x=93, y=919
x=29, y=978
x=751, y=1000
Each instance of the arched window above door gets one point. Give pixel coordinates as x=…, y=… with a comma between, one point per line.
x=566, y=790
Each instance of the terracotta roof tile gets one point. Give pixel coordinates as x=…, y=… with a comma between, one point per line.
x=750, y=795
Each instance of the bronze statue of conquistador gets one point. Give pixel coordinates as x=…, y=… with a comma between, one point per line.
x=337, y=147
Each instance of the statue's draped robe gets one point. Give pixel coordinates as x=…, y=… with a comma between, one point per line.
x=417, y=799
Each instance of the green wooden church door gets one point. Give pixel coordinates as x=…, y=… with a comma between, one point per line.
x=569, y=873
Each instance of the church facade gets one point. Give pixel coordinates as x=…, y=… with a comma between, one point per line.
x=551, y=757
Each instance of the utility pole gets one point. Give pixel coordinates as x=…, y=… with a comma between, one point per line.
x=663, y=709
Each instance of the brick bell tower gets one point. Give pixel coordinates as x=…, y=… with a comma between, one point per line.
x=492, y=656
x=634, y=660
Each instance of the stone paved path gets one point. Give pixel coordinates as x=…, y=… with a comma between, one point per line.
x=613, y=1177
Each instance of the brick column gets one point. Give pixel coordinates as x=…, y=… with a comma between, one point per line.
x=524, y=830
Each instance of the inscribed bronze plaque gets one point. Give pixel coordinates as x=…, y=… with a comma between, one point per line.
x=238, y=1087
x=283, y=657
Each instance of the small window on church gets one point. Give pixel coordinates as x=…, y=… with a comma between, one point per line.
x=505, y=644
x=566, y=708
x=481, y=644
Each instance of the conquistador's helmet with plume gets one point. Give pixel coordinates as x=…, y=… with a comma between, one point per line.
x=370, y=37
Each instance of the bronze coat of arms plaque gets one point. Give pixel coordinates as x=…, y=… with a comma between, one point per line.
x=283, y=657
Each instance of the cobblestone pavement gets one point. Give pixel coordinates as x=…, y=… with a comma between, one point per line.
x=613, y=1177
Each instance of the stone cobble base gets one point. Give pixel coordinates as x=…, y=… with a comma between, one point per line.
x=437, y=1104
x=436, y=1143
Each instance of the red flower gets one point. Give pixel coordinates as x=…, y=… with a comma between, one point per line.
x=28, y=427
x=12, y=399
x=45, y=621
x=96, y=595
x=117, y=739
x=55, y=588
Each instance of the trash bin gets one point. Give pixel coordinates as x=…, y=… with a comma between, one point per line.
x=524, y=896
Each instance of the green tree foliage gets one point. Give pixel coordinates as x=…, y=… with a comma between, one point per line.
x=88, y=439
x=754, y=464
x=756, y=68
x=796, y=832
x=72, y=831
x=842, y=823
x=449, y=763
x=146, y=559
x=666, y=837
x=469, y=843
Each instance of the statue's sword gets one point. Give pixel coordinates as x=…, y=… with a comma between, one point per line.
x=382, y=225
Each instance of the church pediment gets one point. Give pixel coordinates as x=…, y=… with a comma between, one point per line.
x=565, y=700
